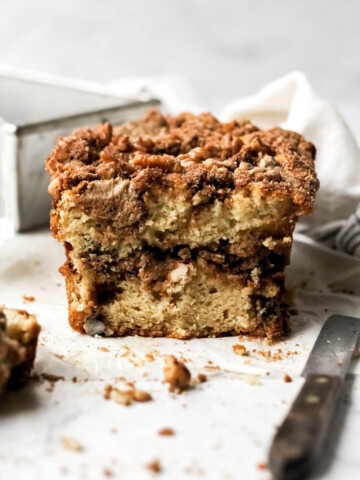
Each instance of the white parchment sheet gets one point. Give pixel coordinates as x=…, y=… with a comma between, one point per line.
x=223, y=427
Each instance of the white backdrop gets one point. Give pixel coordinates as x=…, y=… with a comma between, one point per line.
x=225, y=50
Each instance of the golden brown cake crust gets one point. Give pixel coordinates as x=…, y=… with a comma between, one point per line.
x=211, y=158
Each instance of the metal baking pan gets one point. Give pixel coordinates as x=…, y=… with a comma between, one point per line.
x=33, y=114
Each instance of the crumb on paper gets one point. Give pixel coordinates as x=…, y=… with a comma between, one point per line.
x=126, y=397
x=240, y=350
x=202, y=377
x=150, y=357
x=340, y=362
x=28, y=298
x=108, y=473
x=167, y=432
x=176, y=374
x=154, y=466
x=71, y=443
x=141, y=396
x=50, y=377
x=251, y=380
x=262, y=466
x=287, y=378
x=103, y=349
x=212, y=367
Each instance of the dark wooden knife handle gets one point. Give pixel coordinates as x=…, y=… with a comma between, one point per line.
x=301, y=435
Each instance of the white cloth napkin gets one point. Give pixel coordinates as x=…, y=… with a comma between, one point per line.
x=291, y=103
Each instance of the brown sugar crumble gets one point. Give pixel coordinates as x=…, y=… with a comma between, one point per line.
x=176, y=374
x=154, y=466
x=287, y=378
x=167, y=432
x=27, y=298
x=240, y=350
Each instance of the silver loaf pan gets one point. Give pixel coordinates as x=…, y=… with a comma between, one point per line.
x=33, y=114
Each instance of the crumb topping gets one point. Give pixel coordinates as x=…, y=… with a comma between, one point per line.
x=209, y=158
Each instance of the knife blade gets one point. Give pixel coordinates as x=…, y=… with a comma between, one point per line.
x=300, y=438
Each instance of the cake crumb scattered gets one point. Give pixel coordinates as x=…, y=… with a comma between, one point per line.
x=262, y=466
x=50, y=377
x=72, y=444
x=202, y=377
x=166, y=432
x=103, y=349
x=154, y=466
x=28, y=298
x=126, y=397
x=176, y=374
x=108, y=472
x=287, y=378
x=240, y=350
x=251, y=380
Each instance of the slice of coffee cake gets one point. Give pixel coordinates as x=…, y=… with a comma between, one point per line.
x=19, y=333
x=178, y=226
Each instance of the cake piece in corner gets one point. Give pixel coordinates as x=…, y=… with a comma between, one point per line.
x=179, y=226
x=19, y=333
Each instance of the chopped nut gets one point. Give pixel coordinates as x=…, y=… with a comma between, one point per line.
x=176, y=374
x=240, y=350
x=72, y=444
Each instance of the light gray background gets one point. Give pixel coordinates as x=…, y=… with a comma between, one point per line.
x=224, y=49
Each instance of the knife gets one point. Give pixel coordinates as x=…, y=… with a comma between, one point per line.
x=299, y=440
